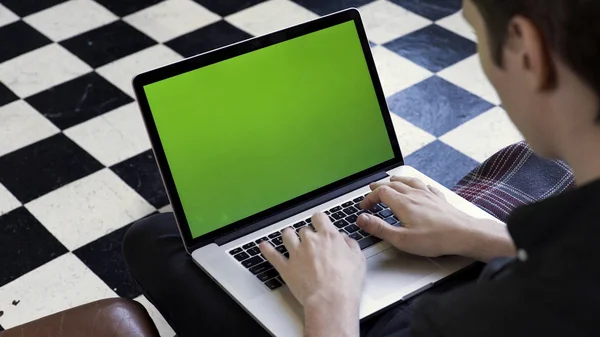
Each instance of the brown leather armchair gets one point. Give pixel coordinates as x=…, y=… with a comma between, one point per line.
x=110, y=317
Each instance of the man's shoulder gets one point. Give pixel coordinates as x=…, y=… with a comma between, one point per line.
x=508, y=307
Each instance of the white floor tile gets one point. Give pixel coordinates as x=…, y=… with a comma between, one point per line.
x=484, y=135
x=166, y=209
x=469, y=75
x=395, y=72
x=457, y=24
x=7, y=201
x=270, y=16
x=170, y=19
x=385, y=21
x=41, y=69
x=22, y=125
x=114, y=136
x=164, y=329
x=6, y=16
x=89, y=208
x=410, y=137
x=70, y=18
x=60, y=284
x=121, y=72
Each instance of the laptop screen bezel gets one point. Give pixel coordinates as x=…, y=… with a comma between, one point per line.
x=235, y=50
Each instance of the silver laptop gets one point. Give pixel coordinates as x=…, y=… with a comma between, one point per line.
x=257, y=136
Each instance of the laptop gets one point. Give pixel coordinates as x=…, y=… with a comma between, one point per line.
x=259, y=135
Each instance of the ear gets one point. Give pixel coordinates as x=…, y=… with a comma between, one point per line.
x=530, y=54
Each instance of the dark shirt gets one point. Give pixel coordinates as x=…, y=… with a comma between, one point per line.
x=551, y=289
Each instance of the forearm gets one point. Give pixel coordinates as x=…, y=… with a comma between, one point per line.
x=331, y=318
x=487, y=239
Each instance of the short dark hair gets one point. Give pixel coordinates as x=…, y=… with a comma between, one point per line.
x=570, y=28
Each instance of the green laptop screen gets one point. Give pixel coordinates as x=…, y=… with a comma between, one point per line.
x=251, y=132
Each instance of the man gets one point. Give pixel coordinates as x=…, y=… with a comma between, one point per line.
x=541, y=56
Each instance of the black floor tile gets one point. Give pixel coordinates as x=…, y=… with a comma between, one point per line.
x=37, y=169
x=431, y=9
x=19, y=38
x=207, y=38
x=224, y=8
x=437, y=106
x=78, y=100
x=141, y=173
x=323, y=7
x=25, y=244
x=433, y=47
x=442, y=163
x=6, y=96
x=24, y=8
x=126, y=7
x=107, y=43
x=105, y=258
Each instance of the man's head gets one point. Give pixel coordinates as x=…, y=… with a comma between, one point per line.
x=542, y=56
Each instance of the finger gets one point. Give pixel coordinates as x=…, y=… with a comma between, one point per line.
x=410, y=181
x=398, y=186
x=353, y=244
x=290, y=240
x=384, y=193
x=305, y=233
x=273, y=256
x=377, y=227
x=436, y=192
x=322, y=223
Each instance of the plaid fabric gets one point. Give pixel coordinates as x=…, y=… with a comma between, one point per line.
x=514, y=177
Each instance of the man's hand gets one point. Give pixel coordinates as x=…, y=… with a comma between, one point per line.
x=325, y=272
x=432, y=227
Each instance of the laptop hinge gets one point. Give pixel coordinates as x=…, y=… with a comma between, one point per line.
x=300, y=208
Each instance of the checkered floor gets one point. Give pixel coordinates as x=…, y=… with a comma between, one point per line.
x=75, y=163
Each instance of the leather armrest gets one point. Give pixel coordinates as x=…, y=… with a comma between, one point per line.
x=110, y=317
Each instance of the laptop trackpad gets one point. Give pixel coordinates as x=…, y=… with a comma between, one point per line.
x=391, y=270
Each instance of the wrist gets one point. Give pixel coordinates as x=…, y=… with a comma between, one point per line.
x=486, y=239
x=331, y=316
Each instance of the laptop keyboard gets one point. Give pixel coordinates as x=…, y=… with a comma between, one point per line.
x=343, y=217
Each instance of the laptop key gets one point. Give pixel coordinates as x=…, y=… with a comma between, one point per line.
x=355, y=236
x=359, y=199
x=264, y=238
x=299, y=224
x=368, y=242
x=335, y=209
x=346, y=204
x=338, y=215
x=287, y=254
x=253, y=251
x=241, y=256
x=341, y=223
x=350, y=210
x=376, y=209
x=327, y=212
x=273, y=284
x=280, y=279
x=363, y=233
x=351, y=228
x=277, y=242
x=281, y=249
x=249, y=245
x=259, y=268
x=269, y=274
x=251, y=262
x=235, y=251
x=391, y=221
x=308, y=221
x=274, y=235
x=352, y=218
x=386, y=213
